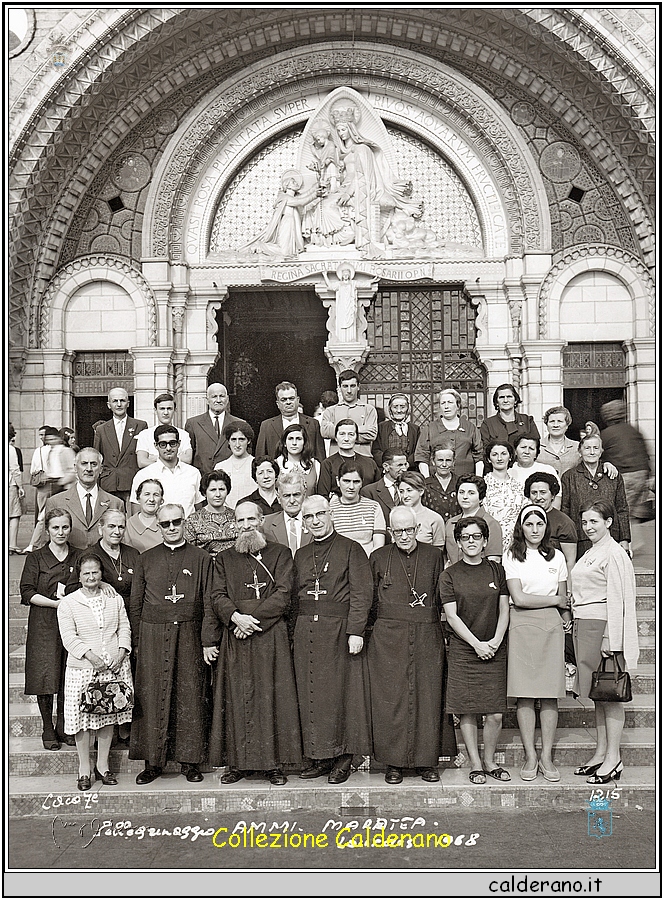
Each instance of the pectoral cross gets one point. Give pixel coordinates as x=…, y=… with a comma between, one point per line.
x=316, y=591
x=419, y=598
x=256, y=585
x=173, y=597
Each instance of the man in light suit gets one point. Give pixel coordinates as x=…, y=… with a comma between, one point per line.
x=288, y=403
x=207, y=431
x=385, y=491
x=85, y=500
x=116, y=441
x=397, y=433
x=286, y=527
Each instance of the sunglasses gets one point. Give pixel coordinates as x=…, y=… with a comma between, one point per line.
x=169, y=522
x=167, y=445
x=476, y=536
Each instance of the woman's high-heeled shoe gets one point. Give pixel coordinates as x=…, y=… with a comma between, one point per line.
x=613, y=775
x=587, y=770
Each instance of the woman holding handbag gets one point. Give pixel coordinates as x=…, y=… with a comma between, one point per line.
x=604, y=607
x=95, y=632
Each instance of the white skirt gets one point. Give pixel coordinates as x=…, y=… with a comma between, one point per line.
x=78, y=679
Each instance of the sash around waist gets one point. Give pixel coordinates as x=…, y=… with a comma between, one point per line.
x=323, y=608
x=414, y=614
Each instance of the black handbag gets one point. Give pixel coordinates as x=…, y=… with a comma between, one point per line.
x=611, y=687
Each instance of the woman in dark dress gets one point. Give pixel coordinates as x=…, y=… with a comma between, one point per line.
x=118, y=559
x=507, y=424
x=474, y=595
x=46, y=574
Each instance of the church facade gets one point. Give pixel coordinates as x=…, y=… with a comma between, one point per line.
x=434, y=196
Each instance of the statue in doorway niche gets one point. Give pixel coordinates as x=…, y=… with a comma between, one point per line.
x=346, y=303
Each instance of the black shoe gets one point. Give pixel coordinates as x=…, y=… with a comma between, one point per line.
x=276, y=777
x=84, y=782
x=232, y=777
x=106, y=778
x=191, y=772
x=319, y=767
x=51, y=742
x=393, y=775
x=147, y=776
x=613, y=775
x=338, y=776
x=429, y=773
x=67, y=739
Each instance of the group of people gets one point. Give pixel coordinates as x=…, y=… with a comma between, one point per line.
x=343, y=609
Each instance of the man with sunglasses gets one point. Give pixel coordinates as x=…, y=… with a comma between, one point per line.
x=170, y=583
x=406, y=655
x=181, y=482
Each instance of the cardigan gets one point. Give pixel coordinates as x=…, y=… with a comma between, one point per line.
x=80, y=631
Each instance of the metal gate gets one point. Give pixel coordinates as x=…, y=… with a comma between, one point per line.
x=421, y=340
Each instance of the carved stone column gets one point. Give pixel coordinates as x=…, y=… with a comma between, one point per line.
x=347, y=346
x=152, y=375
x=542, y=375
x=642, y=388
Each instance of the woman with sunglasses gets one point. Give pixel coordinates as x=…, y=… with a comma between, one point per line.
x=474, y=595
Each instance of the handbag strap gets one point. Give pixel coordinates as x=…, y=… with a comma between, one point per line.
x=617, y=668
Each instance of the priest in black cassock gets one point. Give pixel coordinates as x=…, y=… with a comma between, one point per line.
x=166, y=612
x=255, y=721
x=406, y=655
x=333, y=591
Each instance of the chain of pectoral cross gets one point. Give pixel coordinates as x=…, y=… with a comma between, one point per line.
x=256, y=585
x=172, y=578
x=418, y=599
x=317, y=592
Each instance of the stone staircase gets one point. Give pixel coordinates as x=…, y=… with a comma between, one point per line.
x=41, y=780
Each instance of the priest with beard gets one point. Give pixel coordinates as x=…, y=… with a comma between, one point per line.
x=406, y=655
x=165, y=612
x=333, y=591
x=255, y=722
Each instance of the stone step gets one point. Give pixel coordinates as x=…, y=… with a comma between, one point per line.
x=25, y=721
x=364, y=794
x=645, y=579
x=572, y=747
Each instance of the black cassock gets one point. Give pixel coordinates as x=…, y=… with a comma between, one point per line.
x=255, y=721
x=332, y=685
x=171, y=711
x=406, y=655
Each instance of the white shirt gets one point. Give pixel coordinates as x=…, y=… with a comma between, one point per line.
x=39, y=459
x=120, y=425
x=181, y=484
x=518, y=473
x=392, y=487
x=145, y=441
x=222, y=418
x=82, y=491
x=298, y=526
x=537, y=575
x=286, y=422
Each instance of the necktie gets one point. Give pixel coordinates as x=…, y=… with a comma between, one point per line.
x=292, y=536
x=88, y=509
x=392, y=490
x=216, y=426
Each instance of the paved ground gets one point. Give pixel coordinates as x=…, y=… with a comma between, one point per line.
x=524, y=839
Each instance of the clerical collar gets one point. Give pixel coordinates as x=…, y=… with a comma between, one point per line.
x=407, y=552
x=175, y=546
x=326, y=538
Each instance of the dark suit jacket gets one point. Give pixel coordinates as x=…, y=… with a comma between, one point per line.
x=381, y=444
x=272, y=429
x=208, y=449
x=379, y=492
x=274, y=529
x=81, y=536
x=120, y=464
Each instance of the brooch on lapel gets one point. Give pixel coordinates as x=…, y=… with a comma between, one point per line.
x=186, y=572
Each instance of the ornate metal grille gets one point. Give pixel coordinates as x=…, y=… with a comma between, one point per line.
x=423, y=339
x=594, y=365
x=97, y=372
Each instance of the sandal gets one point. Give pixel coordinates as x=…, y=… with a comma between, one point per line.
x=499, y=774
x=477, y=777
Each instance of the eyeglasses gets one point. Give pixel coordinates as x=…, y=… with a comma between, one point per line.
x=410, y=531
x=317, y=515
x=475, y=536
x=167, y=445
x=169, y=522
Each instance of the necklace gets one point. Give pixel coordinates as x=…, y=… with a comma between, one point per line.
x=418, y=599
x=118, y=569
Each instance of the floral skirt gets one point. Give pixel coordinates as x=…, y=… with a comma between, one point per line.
x=78, y=679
